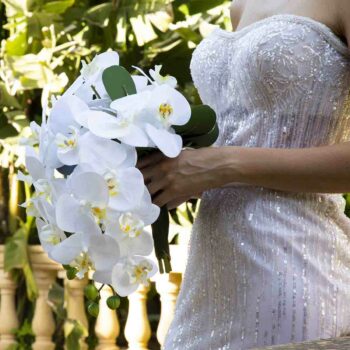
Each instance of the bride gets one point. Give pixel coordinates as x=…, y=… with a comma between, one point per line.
x=269, y=257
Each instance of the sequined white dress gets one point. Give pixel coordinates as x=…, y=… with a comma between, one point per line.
x=269, y=267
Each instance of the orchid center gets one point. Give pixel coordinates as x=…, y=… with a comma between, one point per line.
x=112, y=183
x=98, y=213
x=51, y=235
x=165, y=110
x=83, y=264
x=139, y=273
x=43, y=189
x=130, y=225
x=69, y=142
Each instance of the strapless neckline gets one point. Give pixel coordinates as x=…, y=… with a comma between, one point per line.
x=325, y=31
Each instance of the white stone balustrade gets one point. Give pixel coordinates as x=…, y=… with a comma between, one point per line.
x=8, y=316
x=76, y=304
x=45, y=272
x=137, y=328
x=168, y=286
x=107, y=329
x=107, y=324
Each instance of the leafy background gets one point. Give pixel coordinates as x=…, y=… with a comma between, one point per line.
x=42, y=46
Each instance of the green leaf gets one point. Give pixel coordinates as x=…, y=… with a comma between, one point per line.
x=7, y=100
x=7, y=131
x=198, y=6
x=189, y=35
x=118, y=82
x=99, y=15
x=203, y=119
x=204, y=140
x=16, y=45
x=160, y=233
x=75, y=331
x=16, y=257
x=56, y=301
x=58, y=7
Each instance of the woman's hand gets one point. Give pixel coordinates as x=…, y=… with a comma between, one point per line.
x=172, y=181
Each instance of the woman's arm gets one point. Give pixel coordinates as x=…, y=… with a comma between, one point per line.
x=320, y=169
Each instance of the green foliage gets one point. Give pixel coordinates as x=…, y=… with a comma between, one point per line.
x=16, y=257
x=73, y=331
x=24, y=337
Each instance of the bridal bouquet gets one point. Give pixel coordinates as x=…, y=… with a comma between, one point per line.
x=90, y=201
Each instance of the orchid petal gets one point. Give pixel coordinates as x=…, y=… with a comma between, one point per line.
x=90, y=187
x=107, y=59
x=70, y=216
x=63, y=112
x=168, y=143
x=104, y=251
x=121, y=281
x=99, y=152
x=66, y=251
x=130, y=192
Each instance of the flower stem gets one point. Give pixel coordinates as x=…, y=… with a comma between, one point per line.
x=95, y=91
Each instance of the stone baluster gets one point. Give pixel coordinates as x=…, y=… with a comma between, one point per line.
x=76, y=303
x=168, y=287
x=137, y=328
x=8, y=316
x=45, y=271
x=107, y=324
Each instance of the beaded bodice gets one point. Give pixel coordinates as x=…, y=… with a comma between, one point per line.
x=279, y=82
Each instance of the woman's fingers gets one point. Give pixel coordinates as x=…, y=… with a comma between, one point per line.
x=156, y=186
x=150, y=173
x=162, y=198
x=150, y=159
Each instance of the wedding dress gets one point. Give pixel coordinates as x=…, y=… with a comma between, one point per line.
x=269, y=267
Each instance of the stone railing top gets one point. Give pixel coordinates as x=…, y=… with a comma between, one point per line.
x=323, y=344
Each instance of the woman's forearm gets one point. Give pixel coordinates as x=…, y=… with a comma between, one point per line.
x=320, y=169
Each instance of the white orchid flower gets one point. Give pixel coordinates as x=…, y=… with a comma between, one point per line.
x=50, y=234
x=64, y=113
x=160, y=79
x=166, y=107
x=125, y=182
x=87, y=250
x=86, y=199
x=65, y=128
x=129, y=273
x=47, y=188
x=126, y=125
x=91, y=76
x=128, y=228
x=93, y=71
x=141, y=82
